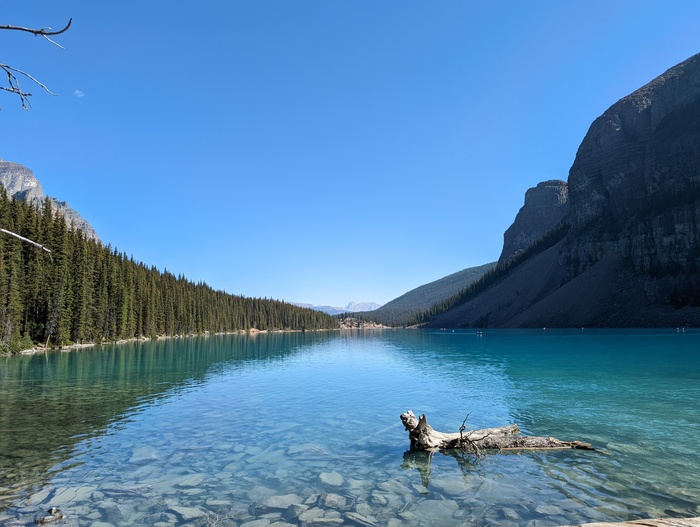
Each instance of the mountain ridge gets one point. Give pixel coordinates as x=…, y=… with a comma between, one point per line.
x=408, y=308
x=20, y=182
x=630, y=254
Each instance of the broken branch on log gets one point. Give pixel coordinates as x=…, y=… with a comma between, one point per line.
x=423, y=437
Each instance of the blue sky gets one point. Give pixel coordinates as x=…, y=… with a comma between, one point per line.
x=320, y=151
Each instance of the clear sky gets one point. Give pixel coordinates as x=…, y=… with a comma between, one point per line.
x=320, y=151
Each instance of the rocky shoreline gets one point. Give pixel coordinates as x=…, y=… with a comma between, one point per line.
x=355, y=323
x=326, y=498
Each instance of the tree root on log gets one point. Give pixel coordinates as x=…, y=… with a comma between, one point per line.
x=423, y=437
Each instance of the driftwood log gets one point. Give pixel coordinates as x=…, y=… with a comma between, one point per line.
x=651, y=522
x=423, y=437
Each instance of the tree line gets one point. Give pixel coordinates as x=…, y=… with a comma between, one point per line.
x=85, y=292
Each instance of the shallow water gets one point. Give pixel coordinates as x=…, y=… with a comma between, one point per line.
x=304, y=429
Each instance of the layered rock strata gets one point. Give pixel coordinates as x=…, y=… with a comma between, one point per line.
x=634, y=187
x=629, y=252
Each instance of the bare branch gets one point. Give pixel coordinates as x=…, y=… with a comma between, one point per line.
x=12, y=80
x=9, y=69
x=45, y=31
x=25, y=240
x=14, y=86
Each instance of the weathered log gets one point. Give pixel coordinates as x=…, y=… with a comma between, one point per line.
x=423, y=437
x=651, y=522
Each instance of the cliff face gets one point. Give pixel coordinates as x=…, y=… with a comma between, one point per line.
x=630, y=256
x=635, y=186
x=19, y=181
x=545, y=206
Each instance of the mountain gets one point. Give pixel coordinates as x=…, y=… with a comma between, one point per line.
x=362, y=306
x=19, y=181
x=403, y=310
x=352, y=307
x=545, y=206
x=627, y=254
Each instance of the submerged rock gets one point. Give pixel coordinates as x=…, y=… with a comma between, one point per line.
x=53, y=515
x=294, y=511
x=333, y=479
x=276, y=503
x=194, y=480
x=332, y=501
x=359, y=519
x=188, y=513
x=143, y=455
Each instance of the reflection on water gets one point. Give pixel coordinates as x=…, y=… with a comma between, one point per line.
x=50, y=403
x=421, y=461
x=304, y=429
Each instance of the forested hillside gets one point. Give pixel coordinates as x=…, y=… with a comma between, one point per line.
x=412, y=307
x=86, y=292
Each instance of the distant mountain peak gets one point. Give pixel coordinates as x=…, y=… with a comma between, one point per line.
x=362, y=306
x=352, y=307
x=20, y=181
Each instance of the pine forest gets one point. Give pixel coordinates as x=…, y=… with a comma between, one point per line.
x=85, y=292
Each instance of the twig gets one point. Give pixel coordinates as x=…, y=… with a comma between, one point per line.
x=12, y=73
x=467, y=440
x=44, y=31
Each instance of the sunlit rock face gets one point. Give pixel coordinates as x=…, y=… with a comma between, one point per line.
x=545, y=206
x=19, y=181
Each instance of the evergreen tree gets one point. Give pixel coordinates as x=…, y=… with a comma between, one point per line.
x=86, y=292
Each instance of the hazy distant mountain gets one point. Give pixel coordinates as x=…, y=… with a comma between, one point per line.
x=362, y=306
x=352, y=307
x=19, y=181
x=627, y=254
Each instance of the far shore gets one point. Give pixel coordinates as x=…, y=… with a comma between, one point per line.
x=72, y=347
x=347, y=324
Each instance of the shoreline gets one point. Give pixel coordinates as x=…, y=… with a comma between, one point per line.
x=79, y=346
x=344, y=325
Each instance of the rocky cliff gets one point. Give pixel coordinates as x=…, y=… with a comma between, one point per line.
x=629, y=252
x=635, y=187
x=19, y=181
x=545, y=206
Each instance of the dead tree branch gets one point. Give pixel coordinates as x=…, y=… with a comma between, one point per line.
x=466, y=442
x=13, y=84
x=45, y=32
x=26, y=240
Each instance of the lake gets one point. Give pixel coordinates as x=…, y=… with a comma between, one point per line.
x=303, y=429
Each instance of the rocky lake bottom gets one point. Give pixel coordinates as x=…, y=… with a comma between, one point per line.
x=304, y=430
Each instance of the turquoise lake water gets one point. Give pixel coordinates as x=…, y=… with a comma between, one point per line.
x=303, y=429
